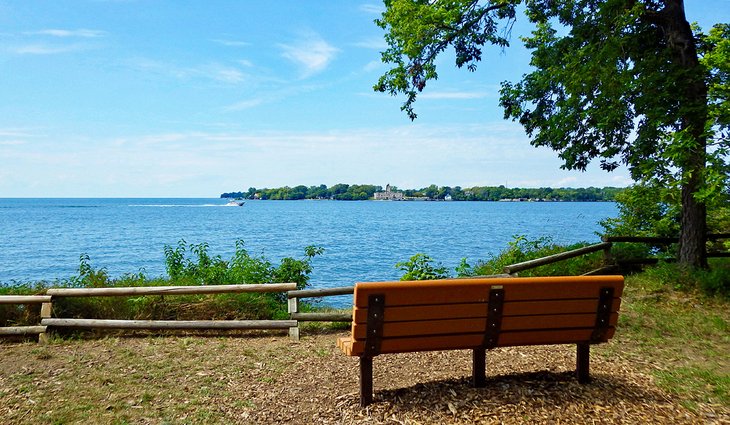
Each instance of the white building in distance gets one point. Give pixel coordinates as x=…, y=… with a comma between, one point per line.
x=388, y=195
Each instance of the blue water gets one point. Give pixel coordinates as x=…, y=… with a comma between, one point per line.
x=41, y=239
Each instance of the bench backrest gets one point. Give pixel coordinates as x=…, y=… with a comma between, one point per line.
x=391, y=317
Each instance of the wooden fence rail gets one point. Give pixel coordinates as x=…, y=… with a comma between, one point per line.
x=169, y=324
x=658, y=240
x=665, y=241
x=24, y=299
x=22, y=330
x=531, y=264
x=169, y=290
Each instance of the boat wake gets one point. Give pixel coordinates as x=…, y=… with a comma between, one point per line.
x=177, y=205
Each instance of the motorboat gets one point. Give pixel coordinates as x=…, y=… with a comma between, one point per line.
x=235, y=203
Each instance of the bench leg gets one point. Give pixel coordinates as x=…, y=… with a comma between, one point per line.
x=366, y=381
x=479, y=367
x=583, y=363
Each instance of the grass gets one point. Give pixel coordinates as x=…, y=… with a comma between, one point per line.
x=681, y=337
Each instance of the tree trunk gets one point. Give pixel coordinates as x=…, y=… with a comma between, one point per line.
x=693, y=95
x=693, y=230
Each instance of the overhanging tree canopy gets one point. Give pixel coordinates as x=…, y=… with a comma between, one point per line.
x=618, y=81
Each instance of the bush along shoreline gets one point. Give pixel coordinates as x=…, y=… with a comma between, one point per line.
x=187, y=264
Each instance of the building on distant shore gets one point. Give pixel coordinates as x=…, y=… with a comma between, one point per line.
x=388, y=195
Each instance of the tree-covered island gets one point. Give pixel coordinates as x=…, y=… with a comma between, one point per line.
x=357, y=192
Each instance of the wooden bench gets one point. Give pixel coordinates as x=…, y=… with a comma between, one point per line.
x=480, y=314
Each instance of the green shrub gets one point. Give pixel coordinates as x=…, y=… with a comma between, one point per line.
x=421, y=267
x=203, y=269
x=523, y=249
x=713, y=281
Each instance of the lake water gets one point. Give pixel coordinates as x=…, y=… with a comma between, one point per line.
x=41, y=239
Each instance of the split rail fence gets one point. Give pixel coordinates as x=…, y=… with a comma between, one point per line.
x=47, y=319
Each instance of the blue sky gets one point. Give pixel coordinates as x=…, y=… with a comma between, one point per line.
x=125, y=98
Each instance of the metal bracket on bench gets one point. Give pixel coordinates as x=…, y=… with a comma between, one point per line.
x=494, y=317
x=603, y=314
x=376, y=311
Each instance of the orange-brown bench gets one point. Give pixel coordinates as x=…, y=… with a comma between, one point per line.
x=479, y=314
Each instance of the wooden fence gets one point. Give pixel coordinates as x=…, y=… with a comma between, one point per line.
x=48, y=321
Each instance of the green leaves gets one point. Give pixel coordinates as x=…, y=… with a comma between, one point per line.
x=418, y=31
x=203, y=269
x=421, y=267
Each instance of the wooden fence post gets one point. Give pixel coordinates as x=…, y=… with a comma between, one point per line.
x=607, y=257
x=293, y=307
x=46, y=313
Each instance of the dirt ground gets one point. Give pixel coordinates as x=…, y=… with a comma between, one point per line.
x=263, y=378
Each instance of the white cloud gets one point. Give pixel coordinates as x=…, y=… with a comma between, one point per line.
x=373, y=65
x=16, y=132
x=621, y=180
x=222, y=73
x=60, y=41
x=231, y=43
x=311, y=53
x=82, y=33
x=245, y=104
x=375, y=43
x=12, y=142
x=47, y=49
x=565, y=182
x=375, y=9
x=211, y=71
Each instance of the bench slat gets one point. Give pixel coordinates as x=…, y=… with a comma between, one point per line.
x=468, y=341
x=457, y=291
x=476, y=310
x=428, y=312
x=478, y=325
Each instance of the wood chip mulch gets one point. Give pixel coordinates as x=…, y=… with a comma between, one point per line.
x=268, y=379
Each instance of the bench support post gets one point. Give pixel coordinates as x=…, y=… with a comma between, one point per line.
x=479, y=367
x=583, y=363
x=376, y=311
x=366, y=380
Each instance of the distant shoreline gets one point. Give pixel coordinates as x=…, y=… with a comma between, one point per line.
x=427, y=200
x=345, y=192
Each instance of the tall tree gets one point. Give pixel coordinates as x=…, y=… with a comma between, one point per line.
x=621, y=81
